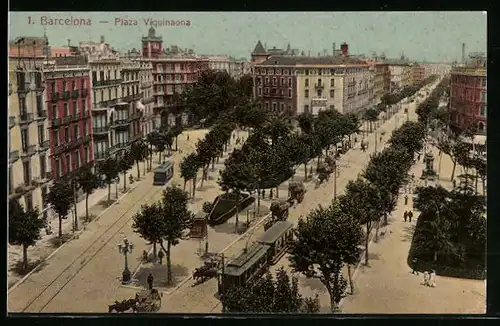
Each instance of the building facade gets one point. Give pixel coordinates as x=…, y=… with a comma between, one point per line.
x=417, y=73
x=468, y=104
x=310, y=84
x=67, y=80
x=239, y=68
x=147, y=102
x=173, y=71
x=219, y=63
x=128, y=110
x=440, y=69
x=28, y=165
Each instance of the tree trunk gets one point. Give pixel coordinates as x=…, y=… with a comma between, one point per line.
x=144, y=167
x=159, y=157
x=176, y=143
x=109, y=191
x=116, y=190
x=305, y=171
x=258, y=201
x=367, y=238
x=184, y=187
x=351, y=283
x=138, y=171
x=477, y=180
x=453, y=170
x=154, y=252
x=124, y=181
x=194, y=187
x=435, y=256
x=87, y=206
x=75, y=211
x=25, y=258
x=202, y=177
x=213, y=164
x=60, y=226
x=277, y=192
x=483, y=180
x=169, y=263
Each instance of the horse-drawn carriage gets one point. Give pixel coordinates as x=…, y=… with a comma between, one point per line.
x=326, y=168
x=144, y=301
x=208, y=270
x=279, y=212
x=296, y=191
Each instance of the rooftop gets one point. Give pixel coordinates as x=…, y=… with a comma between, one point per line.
x=303, y=60
x=276, y=231
x=239, y=265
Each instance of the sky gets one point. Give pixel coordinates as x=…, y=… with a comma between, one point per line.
x=430, y=36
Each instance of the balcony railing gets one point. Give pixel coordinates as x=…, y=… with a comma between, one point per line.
x=26, y=118
x=13, y=156
x=101, y=155
x=101, y=130
x=319, y=86
x=67, y=119
x=120, y=123
x=43, y=146
x=104, y=104
x=28, y=151
x=42, y=114
x=66, y=95
x=75, y=94
x=109, y=82
x=12, y=121
x=54, y=123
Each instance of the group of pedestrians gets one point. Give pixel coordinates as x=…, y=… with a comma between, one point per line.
x=408, y=214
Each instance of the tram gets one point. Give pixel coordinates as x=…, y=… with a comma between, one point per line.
x=277, y=238
x=163, y=173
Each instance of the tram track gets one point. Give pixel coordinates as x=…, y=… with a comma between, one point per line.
x=51, y=290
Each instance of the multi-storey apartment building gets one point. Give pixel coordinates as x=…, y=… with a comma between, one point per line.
x=381, y=77
x=417, y=73
x=239, y=68
x=105, y=69
x=468, y=104
x=400, y=73
x=219, y=63
x=173, y=71
x=440, y=69
x=310, y=84
x=147, y=102
x=28, y=168
x=131, y=96
x=67, y=80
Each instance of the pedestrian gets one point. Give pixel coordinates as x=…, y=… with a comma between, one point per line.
x=418, y=157
x=432, y=279
x=410, y=215
x=406, y=199
x=426, y=278
x=454, y=183
x=380, y=139
x=414, y=261
x=187, y=137
x=263, y=193
x=161, y=255
x=271, y=194
x=150, y=281
x=405, y=215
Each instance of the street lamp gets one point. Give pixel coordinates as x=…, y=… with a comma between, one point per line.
x=125, y=248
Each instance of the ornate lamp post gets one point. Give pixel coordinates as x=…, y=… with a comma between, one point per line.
x=125, y=248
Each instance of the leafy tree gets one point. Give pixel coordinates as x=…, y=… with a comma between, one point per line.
x=176, y=131
x=370, y=115
x=361, y=201
x=125, y=162
x=324, y=242
x=306, y=122
x=110, y=169
x=176, y=218
x=250, y=114
x=481, y=168
x=148, y=222
x=245, y=84
x=60, y=197
x=88, y=182
x=189, y=170
x=300, y=151
x=207, y=207
x=268, y=295
x=139, y=152
x=24, y=228
x=410, y=135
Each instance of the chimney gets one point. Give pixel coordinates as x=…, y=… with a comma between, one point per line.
x=102, y=39
x=333, y=48
x=344, y=48
x=463, y=52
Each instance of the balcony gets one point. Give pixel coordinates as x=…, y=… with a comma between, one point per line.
x=67, y=119
x=138, y=96
x=109, y=82
x=54, y=123
x=104, y=105
x=39, y=87
x=66, y=95
x=55, y=97
x=13, y=156
x=12, y=121
x=86, y=139
x=75, y=94
x=319, y=86
x=43, y=146
x=98, y=131
x=42, y=114
x=25, y=118
x=148, y=100
x=120, y=123
x=99, y=156
x=28, y=151
x=275, y=95
x=128, y=98
x=23, y=89
x=84, y=92
x=318, y=101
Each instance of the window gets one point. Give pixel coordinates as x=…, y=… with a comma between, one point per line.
x=84, y=105
x=266, y=91
x=102, y=95
x=483, y=97
x=274, y=80
x=66, y=134
x=320, y=71
x=41, y=134
x=27, y=172
x=274, y=106
x=53, y=87
x=306, y=95
x=282, y=81
x=306, y=108
x=54, y=111
x=290, y=93
x=266, y=105
x=94, y=76
x=116, y=75
x=483, y=111
x=109, y=94
x=68, y=163
x=56, y=137
x=39, y=103
x=87, y=154
x=77, y=159
x=43, y=166
x=332, y=93
x=307, y=72
x=28, y=200
x=332, y=72
x=266, y=80
x=282, y=106
x=84, y=86
x=332, y=107
x=332, y=82
x=76, y=131
x=289, y=82
x=319, y=92
x=260, y=91
x=22, y=106
x=101, y=75
x=273, y=91
x=64, y=85
x=25, y=139
x=307, y=82
x=65, y=109
x=73, y=85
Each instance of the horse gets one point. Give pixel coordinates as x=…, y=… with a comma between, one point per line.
x=123, y=306
x=203, y=273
